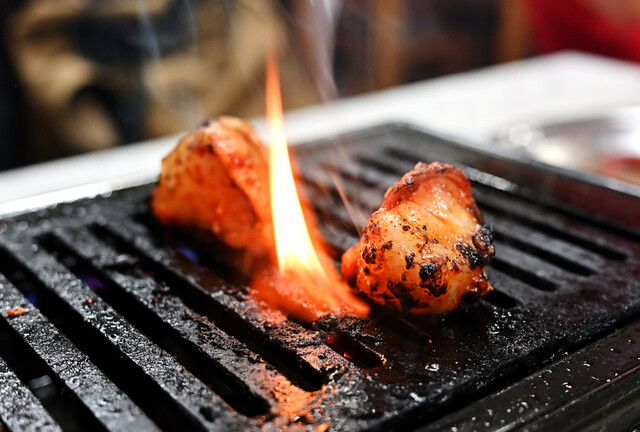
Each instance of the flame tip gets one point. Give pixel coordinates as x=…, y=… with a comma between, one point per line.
x=304, y=274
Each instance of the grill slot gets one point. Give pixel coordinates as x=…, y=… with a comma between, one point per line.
x=400, y=326
x=290, y=363
x=501, y=300
x=352, y=350
x=528, y=198
x=523, y=275
x=170, y=331
x=203, y=252
x=553, y=227
x=79, y=385
x=22, y=411
x=334, y=214
x=542, y=274
x=231, y=388
x=563, y=255
x=544, y=254
x=130, y=360
x=42, y=396
x=354, y=174
x=521, y=292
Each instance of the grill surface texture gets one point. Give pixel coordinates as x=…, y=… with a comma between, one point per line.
x=133, y=326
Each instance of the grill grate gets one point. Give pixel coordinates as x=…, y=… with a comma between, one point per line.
x=131, y=325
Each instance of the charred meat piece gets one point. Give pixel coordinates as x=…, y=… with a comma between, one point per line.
x=425, y=249
x=217, y=179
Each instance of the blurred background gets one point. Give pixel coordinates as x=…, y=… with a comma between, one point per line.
x=82, y=75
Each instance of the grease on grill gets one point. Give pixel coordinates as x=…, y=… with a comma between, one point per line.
x=388, y=377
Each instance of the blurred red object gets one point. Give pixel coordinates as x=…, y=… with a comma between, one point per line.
x=623, y=168
x=611, y=29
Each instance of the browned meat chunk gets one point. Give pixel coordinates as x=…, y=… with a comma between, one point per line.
x=217, y=179
x=425, y=249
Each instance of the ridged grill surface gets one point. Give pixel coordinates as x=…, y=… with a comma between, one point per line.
x=133, y=326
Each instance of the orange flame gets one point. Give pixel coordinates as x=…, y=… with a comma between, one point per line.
x=305, y=284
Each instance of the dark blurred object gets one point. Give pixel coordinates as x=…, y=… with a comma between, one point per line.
x=126, y=42
x=97, y=74
x=404, y=41
x=120, y=40
x=389, y=42
x=514, y=35
x=606, y=143
x=11, y=104
x=625, y=169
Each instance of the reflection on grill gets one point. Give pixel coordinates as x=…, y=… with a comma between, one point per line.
x=133, y=326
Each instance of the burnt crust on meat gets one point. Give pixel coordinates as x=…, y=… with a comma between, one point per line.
x=428, y=271
x=369, y=255
x=409, y=260
x=483, y=240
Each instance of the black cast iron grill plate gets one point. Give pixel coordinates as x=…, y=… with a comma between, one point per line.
x=130, y=326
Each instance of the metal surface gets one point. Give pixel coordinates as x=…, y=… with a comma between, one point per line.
x=161, y=320
x=597, y=144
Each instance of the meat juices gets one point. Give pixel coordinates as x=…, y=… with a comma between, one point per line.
x=424, y=250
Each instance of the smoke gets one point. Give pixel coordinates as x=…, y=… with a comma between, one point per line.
x=147, y=31
x=319, y=27
x=323, y=26
x=178, y=78
x=171, y=75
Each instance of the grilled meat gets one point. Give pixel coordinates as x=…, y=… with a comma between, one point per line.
x=217, y=179
x=425, y=249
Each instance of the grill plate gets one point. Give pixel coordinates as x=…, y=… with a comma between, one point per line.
x=140, y=327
